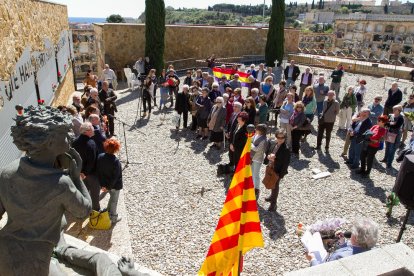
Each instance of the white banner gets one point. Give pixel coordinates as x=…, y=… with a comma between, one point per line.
x=46, y=71
x=20, y=89
x=63, y=54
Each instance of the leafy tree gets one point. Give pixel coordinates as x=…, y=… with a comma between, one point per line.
x=115, y=18
x=275, y=34
x=155, y=32
x=313, y=4
x=344, y=10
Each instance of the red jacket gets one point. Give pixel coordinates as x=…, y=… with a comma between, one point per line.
x=378, y=133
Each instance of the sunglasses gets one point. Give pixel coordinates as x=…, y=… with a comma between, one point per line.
x=280, y=137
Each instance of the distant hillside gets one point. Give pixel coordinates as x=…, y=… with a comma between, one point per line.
x=227, y=14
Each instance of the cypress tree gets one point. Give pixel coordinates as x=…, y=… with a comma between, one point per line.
x=275, y=34
x=386, y=9
x=154, y=33
x=313, y=4
x=412, y=9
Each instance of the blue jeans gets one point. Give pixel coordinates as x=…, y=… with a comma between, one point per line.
x=113, y=203
x=319, y=107
x=354, y=153
x=256, y=174
x=289, y=82
x=390, y=150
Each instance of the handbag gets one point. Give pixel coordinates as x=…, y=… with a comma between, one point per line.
x=321, y=119
x=271, y=177
x=390, y=137
x=99, y=220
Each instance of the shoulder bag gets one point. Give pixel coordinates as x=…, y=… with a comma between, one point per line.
x=271, y=177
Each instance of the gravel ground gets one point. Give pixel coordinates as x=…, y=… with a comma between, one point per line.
x=174, y=199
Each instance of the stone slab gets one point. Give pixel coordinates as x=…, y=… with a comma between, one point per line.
x=328, y=269
x=374, y=262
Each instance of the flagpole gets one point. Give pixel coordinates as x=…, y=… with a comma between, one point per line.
x=240, y=264
x=250, y=130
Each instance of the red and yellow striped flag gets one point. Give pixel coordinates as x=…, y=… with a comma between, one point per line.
x=238, y=229
x=229, y=73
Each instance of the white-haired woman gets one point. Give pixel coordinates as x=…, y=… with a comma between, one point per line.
x=347, y=108
x=216, y=122
x=215, y=92
x=364, y=237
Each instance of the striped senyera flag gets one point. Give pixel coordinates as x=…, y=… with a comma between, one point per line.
x=238, y=229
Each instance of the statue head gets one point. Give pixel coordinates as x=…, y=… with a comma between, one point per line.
x=42, y=130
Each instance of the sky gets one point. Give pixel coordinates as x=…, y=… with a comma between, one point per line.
x=133, y=8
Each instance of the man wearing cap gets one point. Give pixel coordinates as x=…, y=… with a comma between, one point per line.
x=356, y=132
x=376, y=109
x=235, y=83
x=394, y=98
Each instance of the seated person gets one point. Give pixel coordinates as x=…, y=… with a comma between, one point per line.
x=364, y=237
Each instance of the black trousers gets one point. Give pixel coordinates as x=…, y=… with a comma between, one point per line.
x=296, y=135
x=92, y=184
x=367, y=158
x=111, y=125
x=193, y=122
x=321, y=129
x=185, y=118
x=387, y=110
x=146, y=99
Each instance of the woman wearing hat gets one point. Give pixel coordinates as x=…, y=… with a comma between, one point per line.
x=216, y=121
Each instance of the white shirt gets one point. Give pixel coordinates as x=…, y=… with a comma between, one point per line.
x=108, y=75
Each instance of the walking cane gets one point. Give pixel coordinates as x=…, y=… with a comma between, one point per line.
x=224, y=141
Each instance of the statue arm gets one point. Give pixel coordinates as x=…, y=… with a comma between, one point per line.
x=76, y=199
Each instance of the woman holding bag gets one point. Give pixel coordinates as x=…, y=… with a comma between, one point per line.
x=393, y=137
x=279, y=161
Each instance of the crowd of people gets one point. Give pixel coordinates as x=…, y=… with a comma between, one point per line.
x=93, y=115
x=220, y=112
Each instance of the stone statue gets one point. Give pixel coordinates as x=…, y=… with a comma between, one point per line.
x=37, y=189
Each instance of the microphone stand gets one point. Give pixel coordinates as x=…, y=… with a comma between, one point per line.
x=125, y=142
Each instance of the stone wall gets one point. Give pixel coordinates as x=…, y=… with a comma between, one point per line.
x=24, y=23
x=123, y=43
x=65, y=90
